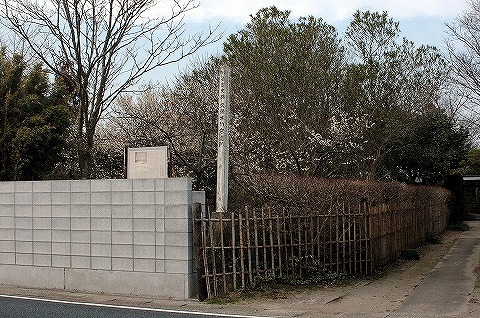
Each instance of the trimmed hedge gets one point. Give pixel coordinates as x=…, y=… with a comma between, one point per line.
x=307, y=194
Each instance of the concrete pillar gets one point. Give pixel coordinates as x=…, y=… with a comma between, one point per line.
x=222, y=156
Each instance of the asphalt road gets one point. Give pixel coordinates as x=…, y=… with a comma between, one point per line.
x=24, y=307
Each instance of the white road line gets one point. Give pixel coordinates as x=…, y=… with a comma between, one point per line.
x=131, y=307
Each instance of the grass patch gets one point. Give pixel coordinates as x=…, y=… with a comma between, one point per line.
x=282, y=287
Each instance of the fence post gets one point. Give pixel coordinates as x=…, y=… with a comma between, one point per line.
x=198, y=252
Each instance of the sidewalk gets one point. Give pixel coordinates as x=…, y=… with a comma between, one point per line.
x=443, y=283
x=449, y=289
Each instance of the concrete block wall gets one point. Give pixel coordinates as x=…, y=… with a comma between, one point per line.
x=128, y=236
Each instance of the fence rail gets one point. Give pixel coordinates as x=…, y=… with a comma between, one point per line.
x=234, y=250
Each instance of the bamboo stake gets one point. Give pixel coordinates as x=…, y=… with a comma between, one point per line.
x=330, y=242
x=304, y=233
x=312, y=233
x=285, y=239
x=224, y=277
x=318, y=243
x=355, y=242
x=306, y=251
x=365, y=235
x=299, y=225
x=300, y=245
x=212, y=253
x=344, y=238
x=370, y=257
x=279, y=246
x=202, y=293
x=360, y=241
x=205, y=260
x=234, y=259
x=326, y=219
x=272, y=243
x=242, y=258
x=337, y=243
x=264, y=243
x=257, y=265
x=291, y=244
x=349, y=240
x=249, y=247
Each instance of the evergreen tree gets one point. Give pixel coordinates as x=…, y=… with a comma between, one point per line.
x=35, y=117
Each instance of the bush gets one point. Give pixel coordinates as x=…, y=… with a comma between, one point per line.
x=432, y=238
x=308, y=194
x=459, y=226
x=410, y=255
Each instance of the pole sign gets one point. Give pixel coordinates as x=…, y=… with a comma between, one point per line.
x=222, y=154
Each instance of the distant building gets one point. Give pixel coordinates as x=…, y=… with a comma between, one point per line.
x=471, y=194
x=467, y=195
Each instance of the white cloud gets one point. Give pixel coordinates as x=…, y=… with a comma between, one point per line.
x=238, y=11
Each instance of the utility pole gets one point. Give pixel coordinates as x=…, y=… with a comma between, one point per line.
x=222, y=154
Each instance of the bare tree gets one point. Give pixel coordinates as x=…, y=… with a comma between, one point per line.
x=101, y=48
x=184, y=117
x=463, y=47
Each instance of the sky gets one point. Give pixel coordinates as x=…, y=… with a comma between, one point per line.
x=421, y=21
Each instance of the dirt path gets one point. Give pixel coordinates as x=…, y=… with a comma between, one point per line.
x=363, y=298
x=368, y=298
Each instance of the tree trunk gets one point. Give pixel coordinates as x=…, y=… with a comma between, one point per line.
x=85, y=142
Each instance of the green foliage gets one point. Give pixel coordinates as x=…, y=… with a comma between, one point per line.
x=428, y=149
x=471, y=164
x=285, y=79
x=34, y=120
x=371, y=35
x=388, y=85
x=459, y=226
x=307, y=102
x=314, y=276
x=301, y=105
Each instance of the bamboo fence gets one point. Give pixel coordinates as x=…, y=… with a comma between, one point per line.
x=234, y=250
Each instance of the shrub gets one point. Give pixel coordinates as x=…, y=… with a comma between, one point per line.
x=308, y=194
x=410, y=255
x=459, y=226
x=432, y=238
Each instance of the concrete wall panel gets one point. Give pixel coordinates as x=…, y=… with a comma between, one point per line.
x=117, y=236
x=133, y=283
x=31, y=276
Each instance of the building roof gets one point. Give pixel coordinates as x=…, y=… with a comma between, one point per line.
x=471, y=178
